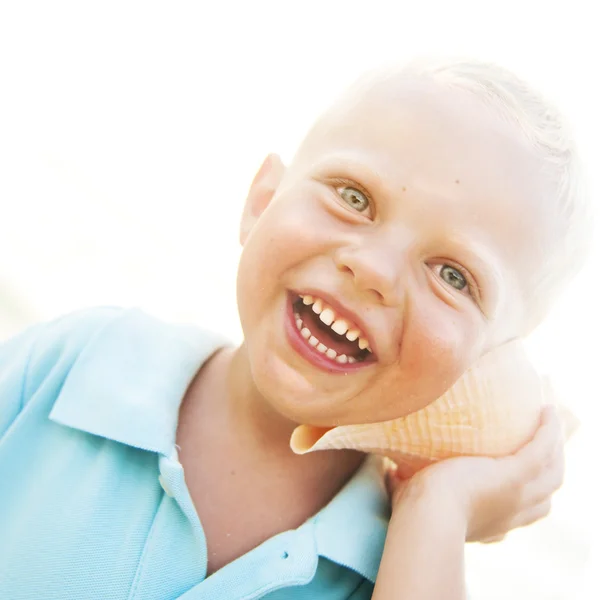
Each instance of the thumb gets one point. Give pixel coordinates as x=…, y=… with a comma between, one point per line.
x=568, y=420
x=395, y=483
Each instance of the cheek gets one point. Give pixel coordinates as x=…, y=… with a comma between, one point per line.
x=288, y=233
x=292, y=230
x=439, y=344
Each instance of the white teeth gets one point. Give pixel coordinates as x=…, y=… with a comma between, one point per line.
x=327, y=316
x=322, y=348
x=353, y=334
x=362, y=343
x=340, y=326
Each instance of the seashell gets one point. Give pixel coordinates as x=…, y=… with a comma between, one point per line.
x=491, y=410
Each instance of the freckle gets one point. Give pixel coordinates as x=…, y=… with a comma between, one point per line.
x=403, y=189
x=457, y=181
x=233, y=472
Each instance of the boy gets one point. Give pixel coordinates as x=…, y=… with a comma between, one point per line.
x=427, y=217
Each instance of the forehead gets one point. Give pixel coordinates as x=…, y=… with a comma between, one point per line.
x=432, y=135
x=459, y=159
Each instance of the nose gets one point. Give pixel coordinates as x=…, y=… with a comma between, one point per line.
x=376, y=268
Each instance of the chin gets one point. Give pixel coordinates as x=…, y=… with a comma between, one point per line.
x=292, y=394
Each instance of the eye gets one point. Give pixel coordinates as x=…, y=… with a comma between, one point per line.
x=459, y=278
x=354, y=198
x=453, y=277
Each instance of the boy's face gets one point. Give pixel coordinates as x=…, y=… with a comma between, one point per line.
x=417, y=215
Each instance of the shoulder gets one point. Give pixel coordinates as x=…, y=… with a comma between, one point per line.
x=48, y=341
x=106, y=341
x=57, y=344
x=28, y=358
x=51, y=334
x=90, y=369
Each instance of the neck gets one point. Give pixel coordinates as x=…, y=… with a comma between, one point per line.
x=251, y=413
x=253, y=433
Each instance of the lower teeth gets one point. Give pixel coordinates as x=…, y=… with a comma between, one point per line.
x=322, y=348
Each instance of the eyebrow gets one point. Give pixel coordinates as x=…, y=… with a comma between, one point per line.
x=366, y=174
x=486, y=272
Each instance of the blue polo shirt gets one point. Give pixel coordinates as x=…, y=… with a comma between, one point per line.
x=93, y=500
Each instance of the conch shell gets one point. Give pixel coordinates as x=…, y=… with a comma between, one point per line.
x=492, y=410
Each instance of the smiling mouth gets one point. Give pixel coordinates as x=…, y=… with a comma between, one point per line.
x=313, y=334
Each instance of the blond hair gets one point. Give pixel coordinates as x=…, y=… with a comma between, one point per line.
x=550, y=136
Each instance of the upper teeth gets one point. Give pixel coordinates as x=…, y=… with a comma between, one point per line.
x=338, y=324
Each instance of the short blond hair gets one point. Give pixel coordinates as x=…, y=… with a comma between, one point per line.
x=550, y=135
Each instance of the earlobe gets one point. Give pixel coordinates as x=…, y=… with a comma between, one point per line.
x=262, y=190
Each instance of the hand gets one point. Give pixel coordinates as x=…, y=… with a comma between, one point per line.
x=494, y=495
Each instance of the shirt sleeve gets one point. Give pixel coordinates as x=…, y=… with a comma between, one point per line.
x=15, y=354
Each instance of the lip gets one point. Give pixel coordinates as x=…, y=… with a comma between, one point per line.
x=311, y=354
x=343, y=312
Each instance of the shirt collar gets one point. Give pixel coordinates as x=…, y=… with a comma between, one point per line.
x=351, y=529
x=128, y=382
x=127, y=385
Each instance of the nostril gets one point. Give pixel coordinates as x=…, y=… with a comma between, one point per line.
x=371, y=273
x=346, y=269
x=380, y=296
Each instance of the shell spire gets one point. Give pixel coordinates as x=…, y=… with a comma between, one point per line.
x=492, y=410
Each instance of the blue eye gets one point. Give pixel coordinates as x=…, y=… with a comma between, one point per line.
x=354, y=198
x=453, y=277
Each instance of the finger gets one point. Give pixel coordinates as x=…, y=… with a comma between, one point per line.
x=547, y=482
x=494, y=539
x=549, y=393
x=392, y=480
x=569, y=422
x=535, y=514
x=388, y=478
x=535, y=455
x=395, y=485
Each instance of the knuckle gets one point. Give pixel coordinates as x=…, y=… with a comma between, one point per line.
x=558, y=481
x=546, y=508
x=493, y=539
x=556, y=476
x=539, y=459
x=556, y=453
x=562, y=464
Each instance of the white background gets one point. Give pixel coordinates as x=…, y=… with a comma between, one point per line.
x=129, y=133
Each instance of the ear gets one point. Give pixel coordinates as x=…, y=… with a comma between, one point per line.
x=261, y=193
